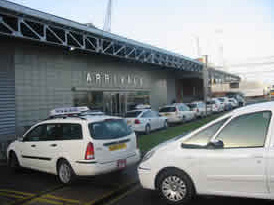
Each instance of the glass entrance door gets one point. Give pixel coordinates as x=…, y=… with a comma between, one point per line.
x=115, y=103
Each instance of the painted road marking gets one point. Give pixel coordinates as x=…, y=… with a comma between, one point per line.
x=16, y=192
x=135, y=188
x=109, y=194
x=45, y=201
x=48, y=198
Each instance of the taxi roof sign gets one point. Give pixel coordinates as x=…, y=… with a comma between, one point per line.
x=68, y=111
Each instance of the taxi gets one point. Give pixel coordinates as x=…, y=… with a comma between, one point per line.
x=75, y=146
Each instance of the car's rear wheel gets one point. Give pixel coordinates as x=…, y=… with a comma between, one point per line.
x=175, y=187
x=165, y=124
x=65, y=172
x=147, y=129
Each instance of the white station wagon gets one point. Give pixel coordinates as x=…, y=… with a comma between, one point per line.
x=231, y=156
x=76, y=147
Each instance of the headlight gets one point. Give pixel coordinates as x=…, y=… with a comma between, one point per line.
x=148, y=155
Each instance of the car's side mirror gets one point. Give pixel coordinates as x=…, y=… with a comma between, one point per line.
x=19, y=138
x=217, y=144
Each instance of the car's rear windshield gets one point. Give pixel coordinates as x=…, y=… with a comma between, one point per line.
x=210, y=102
x=109, y=129
x=167, y=109
x=133, y=113
x=192, y=105
x=221, y=99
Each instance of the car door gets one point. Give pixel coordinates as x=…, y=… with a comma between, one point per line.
x=147, y=116
x=188, y=112
x=29, y=147
x=270, y=161
x=157, y=120
x=48, y=147
x=153, y=120
x=240, y=166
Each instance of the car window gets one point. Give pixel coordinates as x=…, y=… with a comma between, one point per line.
x=147, y=114
x=193, y=105
x=247, y=130
x=109, y=129
x=155, y=114
x=167, y=109
x=35, y=134
x=203, y=137
x=185, y=108
x=71, y=131
x=133, y=114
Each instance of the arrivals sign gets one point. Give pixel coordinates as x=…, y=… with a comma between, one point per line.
x=107, y=79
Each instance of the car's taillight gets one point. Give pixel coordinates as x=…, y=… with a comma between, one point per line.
x=137, y=121
x=89, y=151
x=197, y=110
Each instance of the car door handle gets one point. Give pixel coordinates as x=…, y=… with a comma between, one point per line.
x=33, y=145
x=258, y=156
x=53, y=145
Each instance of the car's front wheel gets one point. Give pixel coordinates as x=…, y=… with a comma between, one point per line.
x=13, y=162
x=175, y=187
x=65, y=172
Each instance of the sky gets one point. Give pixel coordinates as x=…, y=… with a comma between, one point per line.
x=229, y=31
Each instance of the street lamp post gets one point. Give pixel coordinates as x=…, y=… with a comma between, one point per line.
x=205, y=80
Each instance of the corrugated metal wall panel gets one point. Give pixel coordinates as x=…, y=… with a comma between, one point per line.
x=7, y=101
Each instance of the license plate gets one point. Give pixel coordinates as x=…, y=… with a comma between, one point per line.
x=117, y=147
x=121, y=163
x=166, y=114
x=129, y=122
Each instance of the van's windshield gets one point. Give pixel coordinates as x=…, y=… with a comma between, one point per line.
x=109, y=129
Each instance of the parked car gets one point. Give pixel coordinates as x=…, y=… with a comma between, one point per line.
x=177, y=112
x=230, y=156
x=216, y=105
x=234, y=102
x=145, y=120
x=75, y=146
x=226, y=103
x=241, y=100
x=199, y=108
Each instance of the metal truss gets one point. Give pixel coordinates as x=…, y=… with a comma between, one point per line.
x=24, y=26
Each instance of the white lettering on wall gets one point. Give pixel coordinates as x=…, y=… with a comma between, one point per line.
x=116, y=80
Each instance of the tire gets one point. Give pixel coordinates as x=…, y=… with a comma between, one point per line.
x=175, y=187
x=147, y=129
x=165, y=125
x=184, y=119
x=13, y=162
x=65, y=172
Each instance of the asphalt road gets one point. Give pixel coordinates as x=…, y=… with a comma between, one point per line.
x=32, y=187
x=138, y=196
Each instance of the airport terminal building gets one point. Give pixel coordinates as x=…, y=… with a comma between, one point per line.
x=48, y=62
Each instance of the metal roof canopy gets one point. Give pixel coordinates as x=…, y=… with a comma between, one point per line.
x=23, y=22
